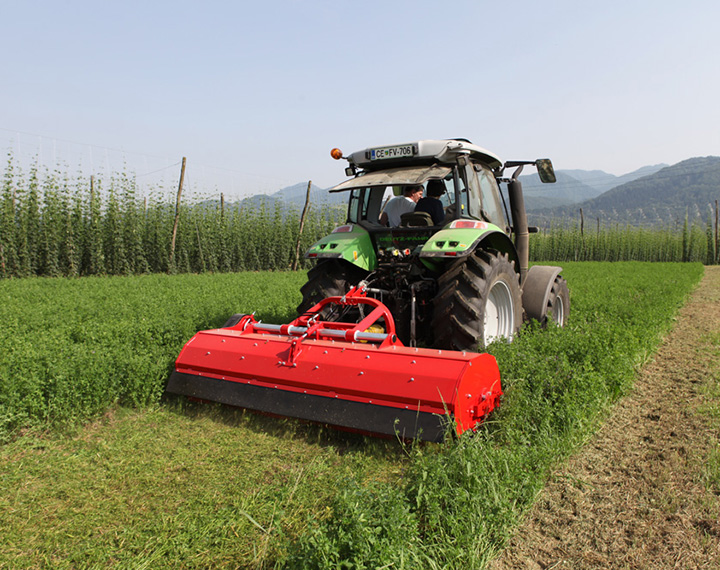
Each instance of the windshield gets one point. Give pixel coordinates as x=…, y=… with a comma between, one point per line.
x=470, y=191
x=367, y=204
x=490, y=196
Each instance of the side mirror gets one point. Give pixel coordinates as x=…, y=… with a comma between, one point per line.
x=545, y=169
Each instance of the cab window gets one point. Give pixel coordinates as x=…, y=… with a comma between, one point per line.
x=367, y=203
x=490, y=195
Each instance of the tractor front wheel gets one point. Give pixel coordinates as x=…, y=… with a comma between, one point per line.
x=479, y=300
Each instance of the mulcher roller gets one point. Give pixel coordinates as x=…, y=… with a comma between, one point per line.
x=340, y=374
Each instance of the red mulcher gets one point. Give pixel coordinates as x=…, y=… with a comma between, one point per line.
x=339, y=373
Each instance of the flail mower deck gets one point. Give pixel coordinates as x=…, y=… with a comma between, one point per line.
x=339, y=373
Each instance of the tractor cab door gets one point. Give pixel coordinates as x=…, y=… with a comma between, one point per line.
x=478, y=193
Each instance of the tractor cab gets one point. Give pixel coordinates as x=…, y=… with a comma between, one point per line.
x=465, y=170
x=462, y=170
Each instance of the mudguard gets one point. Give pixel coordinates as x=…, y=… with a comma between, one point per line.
x=462, y=237
x=536, y=290
x=349, y=242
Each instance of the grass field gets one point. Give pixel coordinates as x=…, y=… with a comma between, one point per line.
x=169, y=484
x=74, y=347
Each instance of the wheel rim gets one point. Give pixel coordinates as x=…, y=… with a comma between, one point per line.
x=499, y=313
x=559, y=311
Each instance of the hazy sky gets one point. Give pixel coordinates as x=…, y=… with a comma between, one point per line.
x=255, y=94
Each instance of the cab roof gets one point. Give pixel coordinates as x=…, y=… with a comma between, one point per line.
x=424, y=151
x=402, y=176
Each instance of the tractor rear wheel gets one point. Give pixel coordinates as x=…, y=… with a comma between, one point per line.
x=329, y=278
x=478, y=301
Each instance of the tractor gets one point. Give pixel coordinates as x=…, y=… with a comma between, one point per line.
x=458, y=283
x=400, y=300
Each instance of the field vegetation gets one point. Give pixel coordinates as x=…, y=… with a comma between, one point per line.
x=162, y=483
x=562, y=241
x=54, y=224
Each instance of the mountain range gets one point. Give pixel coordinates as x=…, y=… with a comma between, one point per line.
x=665, y=196
x=576, y=186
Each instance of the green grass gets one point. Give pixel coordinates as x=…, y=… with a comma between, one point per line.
x=182, y=486
x=173, y=487
x=463, y=497
x=74, y=347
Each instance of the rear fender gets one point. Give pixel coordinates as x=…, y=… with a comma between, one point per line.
x=349, y=242
x=454, y=242
x=536, y=290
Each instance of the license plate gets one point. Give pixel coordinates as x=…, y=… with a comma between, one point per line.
x=400, y=151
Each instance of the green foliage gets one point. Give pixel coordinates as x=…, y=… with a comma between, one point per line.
x=567, y=242
x=52, y=225
x=72, y=348
x=372, y=527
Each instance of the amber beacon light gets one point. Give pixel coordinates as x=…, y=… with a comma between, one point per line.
x=336, y=153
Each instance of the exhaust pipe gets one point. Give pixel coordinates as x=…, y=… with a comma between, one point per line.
x=546, y=172
x=520, y=225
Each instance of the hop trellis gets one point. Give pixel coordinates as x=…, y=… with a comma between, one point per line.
x=52, y=224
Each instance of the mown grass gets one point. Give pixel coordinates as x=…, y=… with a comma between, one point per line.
x=186, y=487
x=173, y=487
x=711, y=468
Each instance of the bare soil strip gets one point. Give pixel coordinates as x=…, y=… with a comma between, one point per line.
x=633, y=496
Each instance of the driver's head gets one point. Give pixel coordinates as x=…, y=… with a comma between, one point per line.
x=435, y=188
x=414, y=192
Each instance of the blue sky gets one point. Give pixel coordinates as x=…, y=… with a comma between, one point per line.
x=255, y=94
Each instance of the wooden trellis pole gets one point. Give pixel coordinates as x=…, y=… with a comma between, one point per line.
x=302, y=225
x=177, y=214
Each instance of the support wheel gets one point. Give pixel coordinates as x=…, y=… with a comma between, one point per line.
x=479, y=301
x=327, y=279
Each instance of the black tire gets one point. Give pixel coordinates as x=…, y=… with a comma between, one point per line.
x=469, y=293
x=327, y=279
x=235, y=319
x=558, y=306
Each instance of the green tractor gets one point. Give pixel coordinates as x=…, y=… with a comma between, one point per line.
x=451, y=275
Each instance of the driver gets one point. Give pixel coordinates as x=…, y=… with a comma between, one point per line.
x=431, y=203
x=400, y=205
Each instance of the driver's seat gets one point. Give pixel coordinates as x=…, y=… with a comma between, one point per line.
x=416, y=219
